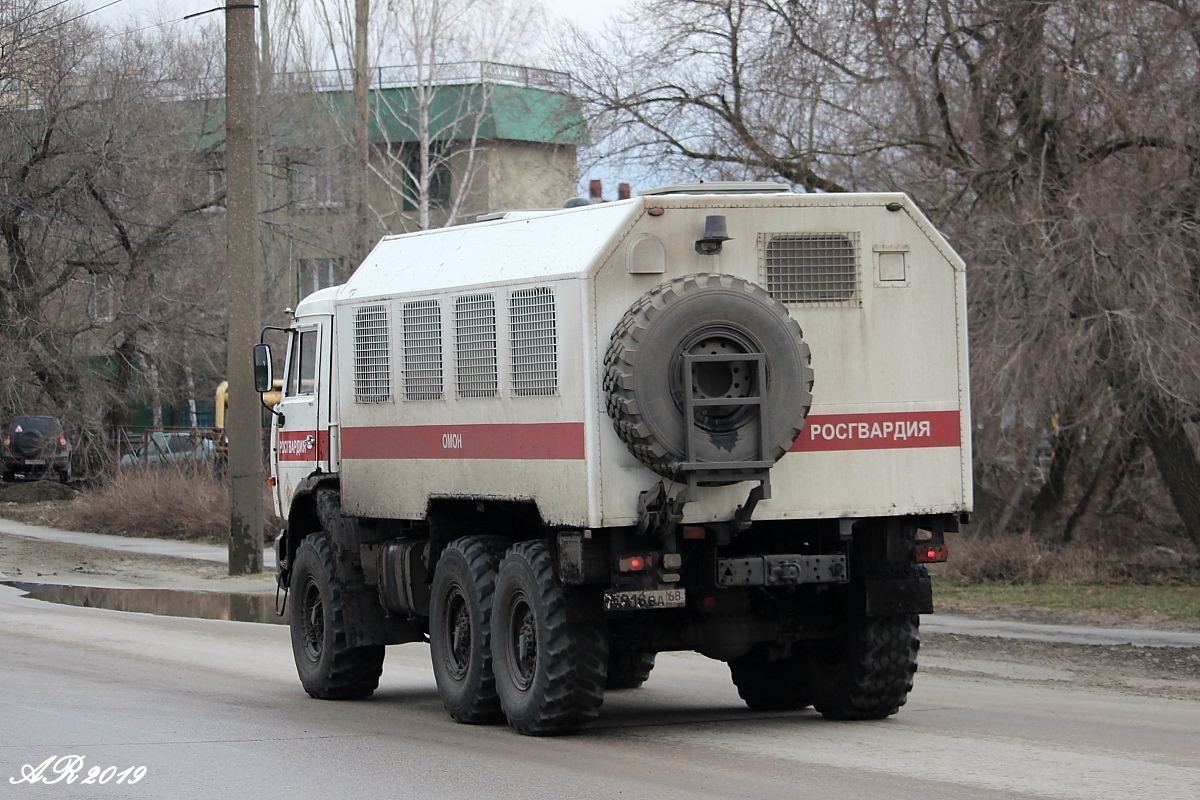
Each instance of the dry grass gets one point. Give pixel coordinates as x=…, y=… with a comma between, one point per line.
x=1115, y=605
x=1026, y=561
x=168, y=504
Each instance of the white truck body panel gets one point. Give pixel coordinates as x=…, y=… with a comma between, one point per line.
x=888, y=433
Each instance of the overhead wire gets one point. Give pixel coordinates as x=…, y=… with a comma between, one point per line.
x=164, y=24
x=75, y=18
x=33, y=14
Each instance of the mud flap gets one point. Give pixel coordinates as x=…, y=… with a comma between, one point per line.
x=893, y=596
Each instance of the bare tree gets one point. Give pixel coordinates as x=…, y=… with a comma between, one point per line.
x=1054, y=142
x=106, y=249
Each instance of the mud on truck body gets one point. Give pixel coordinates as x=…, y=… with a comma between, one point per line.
x=553, y=444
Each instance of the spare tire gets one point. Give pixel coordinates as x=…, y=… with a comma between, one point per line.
x=29, y=444
x=706, y=314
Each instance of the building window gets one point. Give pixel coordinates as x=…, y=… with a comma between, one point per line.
x=313, y=274
x=313, y=181
x=215, y=188
x=439, y=174
x=102, y=298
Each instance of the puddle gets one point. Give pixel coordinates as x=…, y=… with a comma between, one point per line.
x=236, y=606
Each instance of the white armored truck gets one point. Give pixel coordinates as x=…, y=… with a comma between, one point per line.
x=719, y=417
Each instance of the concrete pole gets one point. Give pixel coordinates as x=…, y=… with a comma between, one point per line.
x=243, y=422
x=362, y=152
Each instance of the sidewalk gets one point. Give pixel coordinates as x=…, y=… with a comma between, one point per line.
x=935, y=623
x=1063, y=634
x=130, y=544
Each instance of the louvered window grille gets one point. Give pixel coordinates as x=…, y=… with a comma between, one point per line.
x=475, y=345
x=423, y=350
x=534, y=342
x=372, y=354
x=812, y=268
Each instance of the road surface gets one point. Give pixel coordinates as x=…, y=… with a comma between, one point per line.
x=213, y=709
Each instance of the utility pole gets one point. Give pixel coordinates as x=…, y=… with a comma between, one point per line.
x=243, y=422
x=362, y=146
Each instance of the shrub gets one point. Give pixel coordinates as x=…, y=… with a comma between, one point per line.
x=1024, y=559
x=189, y=504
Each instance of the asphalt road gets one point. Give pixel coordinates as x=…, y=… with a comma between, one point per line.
x=213, y=710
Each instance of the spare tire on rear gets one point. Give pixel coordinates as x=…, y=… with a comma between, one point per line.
x=706, y=314
x=30, y=444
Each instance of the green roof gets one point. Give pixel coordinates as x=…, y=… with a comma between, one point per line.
x=513, y=113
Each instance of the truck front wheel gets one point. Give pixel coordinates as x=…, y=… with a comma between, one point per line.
x=550, y=656
x=328, y=668
x=460, y=641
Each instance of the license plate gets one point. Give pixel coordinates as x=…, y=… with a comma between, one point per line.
x=35, y=462
x=644, y=599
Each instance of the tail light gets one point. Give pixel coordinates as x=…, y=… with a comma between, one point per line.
x=639, y=563
x=931, y=554
x=62, y=442
x=7, y=440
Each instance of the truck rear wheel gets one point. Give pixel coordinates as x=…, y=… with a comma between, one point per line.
x=627, y=668
x=868, y=673
x=549, y=656
x=460, y=641
x=328, y=668
x=769, y=683
x=706, y=314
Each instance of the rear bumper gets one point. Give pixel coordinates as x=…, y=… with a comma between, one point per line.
x=23, y=466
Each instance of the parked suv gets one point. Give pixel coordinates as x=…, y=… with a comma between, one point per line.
x=35, y=446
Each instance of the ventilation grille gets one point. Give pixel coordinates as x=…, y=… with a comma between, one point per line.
x=423, y=350
x=372, y=366
x=534, y=342
x=475, y=345
x=812, y=268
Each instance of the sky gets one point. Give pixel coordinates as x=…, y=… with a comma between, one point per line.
x=589, y=14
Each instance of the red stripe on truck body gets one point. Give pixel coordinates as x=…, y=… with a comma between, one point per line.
x=543, y=441
x=303, y=445
x=564, y=441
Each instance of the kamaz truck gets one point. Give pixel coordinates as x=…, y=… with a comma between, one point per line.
x=722, y=418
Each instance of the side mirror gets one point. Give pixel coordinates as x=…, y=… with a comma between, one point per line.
x=262, y=368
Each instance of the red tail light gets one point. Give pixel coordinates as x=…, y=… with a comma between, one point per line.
x=62, y=442
x=7, y=440
x=636, y=563
x=927, y=554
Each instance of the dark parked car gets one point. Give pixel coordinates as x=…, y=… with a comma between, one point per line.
x=35, y=446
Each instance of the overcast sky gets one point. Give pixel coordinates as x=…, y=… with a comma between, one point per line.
x=590, y=14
